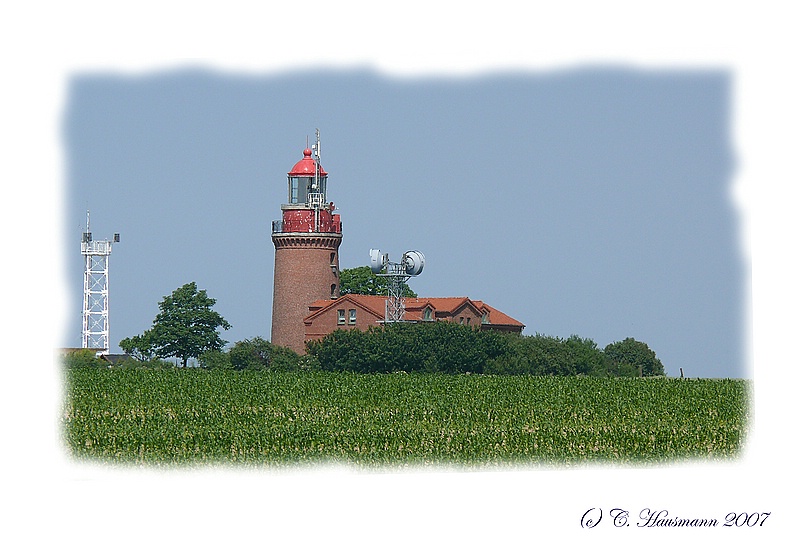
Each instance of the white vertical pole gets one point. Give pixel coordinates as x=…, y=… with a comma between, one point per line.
x=86, y=294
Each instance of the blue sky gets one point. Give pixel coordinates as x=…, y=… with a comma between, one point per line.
x=590, y=201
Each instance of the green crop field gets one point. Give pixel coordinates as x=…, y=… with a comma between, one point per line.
x=171, y=417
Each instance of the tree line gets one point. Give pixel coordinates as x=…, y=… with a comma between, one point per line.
x=187, y=327
x=447, y=347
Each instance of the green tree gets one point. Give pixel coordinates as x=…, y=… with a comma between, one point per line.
x=361, y=280
x=186, y=327
x=538, y=355
x=635, y=354
x=588, y=357
x=139, y=347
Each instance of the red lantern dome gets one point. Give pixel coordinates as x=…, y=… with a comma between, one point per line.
x=306, y=166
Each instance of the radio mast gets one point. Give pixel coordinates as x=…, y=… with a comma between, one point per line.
x=95, y=291
x=396, y=273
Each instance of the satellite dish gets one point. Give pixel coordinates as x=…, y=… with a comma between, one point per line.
x=376, y=260
x=413, y=261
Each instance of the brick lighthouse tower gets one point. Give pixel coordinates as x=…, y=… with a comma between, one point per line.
x=306, y=243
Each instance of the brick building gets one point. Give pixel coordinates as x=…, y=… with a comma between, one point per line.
x=361, y=311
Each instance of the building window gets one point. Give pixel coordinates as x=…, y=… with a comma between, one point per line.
x=333, y=290
x=485, y=318
x=460, y=320
x=352, y=319
x=468, y=319
x=427, y=314
x=341, y=316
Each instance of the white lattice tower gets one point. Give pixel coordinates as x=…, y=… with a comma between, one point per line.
x=95, y=333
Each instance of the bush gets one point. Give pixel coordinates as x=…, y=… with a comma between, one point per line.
x=86, y=358
x=285, y=359
x=436, y=347
x=250, y=354
x=83, y=358
x=215, y=360
x=631, y=356
x=155, y=363
x=548, y=355
x=256, y=354
x=587, y=356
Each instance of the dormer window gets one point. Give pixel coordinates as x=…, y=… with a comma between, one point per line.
x=427, y=314
x=485, y=318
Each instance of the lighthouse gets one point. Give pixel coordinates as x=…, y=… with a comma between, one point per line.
x=306, y=240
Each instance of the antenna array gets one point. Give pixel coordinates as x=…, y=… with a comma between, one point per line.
x=397, y=273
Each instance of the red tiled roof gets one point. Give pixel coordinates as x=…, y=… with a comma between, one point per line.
x=496, y=316
x=373, y=304
x=446, y=305
x=414, y=307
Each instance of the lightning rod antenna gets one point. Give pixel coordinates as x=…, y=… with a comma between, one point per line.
x=316, y=187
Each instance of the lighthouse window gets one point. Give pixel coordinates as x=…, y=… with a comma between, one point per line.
x=293, y=188
x=340, y=314
x=352, y=319
x=322, y=184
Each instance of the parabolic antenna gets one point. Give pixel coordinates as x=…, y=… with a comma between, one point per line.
x=376, y=260
x=413, y=261
x=396, y=274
